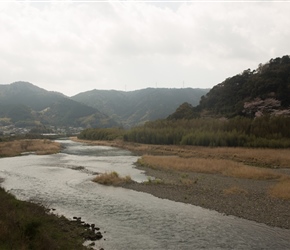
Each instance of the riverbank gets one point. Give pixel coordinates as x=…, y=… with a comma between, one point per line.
x=25, y=225
x=249, y=192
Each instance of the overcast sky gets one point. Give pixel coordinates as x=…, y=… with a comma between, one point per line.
x=76, y=46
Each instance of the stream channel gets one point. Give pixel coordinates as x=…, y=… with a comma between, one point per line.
x=128, y=219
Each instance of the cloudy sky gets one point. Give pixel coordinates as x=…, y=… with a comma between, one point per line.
x=76, y=46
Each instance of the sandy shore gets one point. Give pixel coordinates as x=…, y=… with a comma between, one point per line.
x=244, y=198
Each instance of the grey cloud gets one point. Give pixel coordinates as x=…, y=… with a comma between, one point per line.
x=73, y=47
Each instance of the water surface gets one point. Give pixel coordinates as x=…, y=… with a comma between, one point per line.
x=132, y=220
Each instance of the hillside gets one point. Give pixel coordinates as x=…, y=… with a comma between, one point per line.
x=26, y=105
x=25, y=93
x=136, y=107
x=252, y=93
x=250, y=109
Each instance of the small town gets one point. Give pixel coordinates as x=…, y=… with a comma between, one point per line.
x=12, y=130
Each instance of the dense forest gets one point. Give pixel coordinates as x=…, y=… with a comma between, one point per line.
x=252, y=93
x=232, y=97
x=250, y=109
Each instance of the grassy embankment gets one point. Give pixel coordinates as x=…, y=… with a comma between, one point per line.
x=24, y=225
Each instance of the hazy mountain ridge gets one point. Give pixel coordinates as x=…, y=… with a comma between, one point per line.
x=25, y=93
x=136, y=107
x=27, y=105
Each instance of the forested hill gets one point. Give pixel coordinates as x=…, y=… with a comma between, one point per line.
x=136, y=107
x=26, y=105
x=252, y=93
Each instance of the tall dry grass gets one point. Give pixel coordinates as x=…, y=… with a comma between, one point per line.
x=272, y=158
x=39, y=146
x=269, y=157
x=211, y=166
x=111, y=178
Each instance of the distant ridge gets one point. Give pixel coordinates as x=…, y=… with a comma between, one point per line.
x=27, y=105
x=136, y=107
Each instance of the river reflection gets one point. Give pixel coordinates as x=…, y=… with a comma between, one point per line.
x=132, y=220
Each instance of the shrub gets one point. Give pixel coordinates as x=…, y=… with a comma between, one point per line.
x=112, y=178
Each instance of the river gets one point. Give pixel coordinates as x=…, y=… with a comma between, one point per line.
x=128, y=219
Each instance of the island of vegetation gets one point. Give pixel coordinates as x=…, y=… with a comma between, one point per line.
x=13, y=147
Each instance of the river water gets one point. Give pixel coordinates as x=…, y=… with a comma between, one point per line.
x=130, y=219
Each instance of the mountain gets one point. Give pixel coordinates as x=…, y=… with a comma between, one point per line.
x=27, y=105
x=252, y=93
x=25, y=93
x=136, y=107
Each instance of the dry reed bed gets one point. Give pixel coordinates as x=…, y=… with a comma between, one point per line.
x=39, y=146
x=111, y=178
x=210, y=166
x=281, y=189
x=273, y=158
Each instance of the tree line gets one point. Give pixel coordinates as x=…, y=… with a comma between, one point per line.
x=266, y=131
